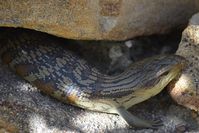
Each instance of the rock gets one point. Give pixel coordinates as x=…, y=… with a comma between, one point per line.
x=99, y=19
x=180, y=129
x=186, y=90
x=7, y=127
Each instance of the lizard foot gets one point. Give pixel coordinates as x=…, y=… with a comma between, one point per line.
x=134, y=121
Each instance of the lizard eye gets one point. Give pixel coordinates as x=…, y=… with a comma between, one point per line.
x=165, y=73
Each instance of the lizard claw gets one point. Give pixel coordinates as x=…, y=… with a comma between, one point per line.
x=134, y=121
x=155, y=124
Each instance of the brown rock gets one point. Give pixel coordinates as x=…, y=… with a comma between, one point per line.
x=7, y=127
x=186, y=90
x=98, y=19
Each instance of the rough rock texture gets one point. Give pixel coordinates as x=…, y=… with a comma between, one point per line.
x=7, y=127
x=23, y=108
x=186, y=90
x=98, y=19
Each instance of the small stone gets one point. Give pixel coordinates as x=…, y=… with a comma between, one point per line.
x=194, y=114
x=180, y=128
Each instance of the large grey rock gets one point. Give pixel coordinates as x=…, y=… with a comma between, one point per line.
x=98, y=19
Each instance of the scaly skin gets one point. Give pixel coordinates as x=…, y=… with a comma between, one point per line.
x=61, y=74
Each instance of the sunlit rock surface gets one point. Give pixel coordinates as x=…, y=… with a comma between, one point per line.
x=98, y=19
x=186, y=90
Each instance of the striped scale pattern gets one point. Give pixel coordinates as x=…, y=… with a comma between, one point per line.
x=60, y=73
